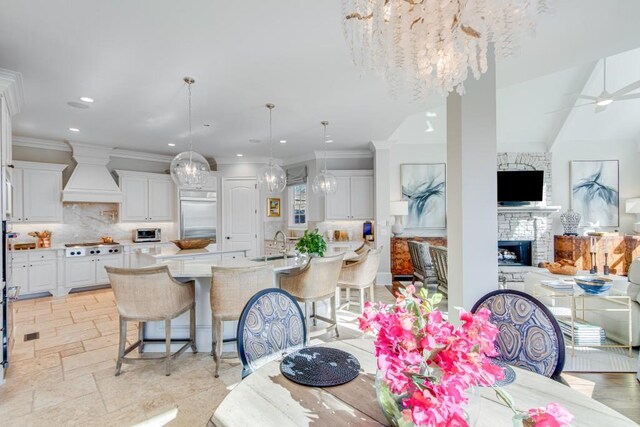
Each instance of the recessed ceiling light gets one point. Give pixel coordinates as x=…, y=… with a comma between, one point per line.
x=239, y=155
x=76, y=104
x=74, y=129
x=206, y=125
x=432, y=114
x=171, y=144
x=86, y=99
x=283, y=141
x=329, y=141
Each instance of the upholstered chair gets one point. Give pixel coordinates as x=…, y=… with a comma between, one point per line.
x=530, y=337
x=364, y=247
x=360, y=275
x=146, y=295
x=422, y=265
x=316, y=281
x=439, y=256
x=231, y=289
x=270, y=326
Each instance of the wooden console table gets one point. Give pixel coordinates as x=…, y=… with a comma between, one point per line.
x=400, y=258
x=622, y=251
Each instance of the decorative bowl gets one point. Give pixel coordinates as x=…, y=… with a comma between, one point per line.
x=593, y=285
x=192, y=243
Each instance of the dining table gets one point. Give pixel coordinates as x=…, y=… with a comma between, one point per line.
x=266, y=398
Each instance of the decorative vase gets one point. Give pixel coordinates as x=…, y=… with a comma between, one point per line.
x=391, y=405
x=570, y=221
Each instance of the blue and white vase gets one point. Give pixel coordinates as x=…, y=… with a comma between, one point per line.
x=570, y=221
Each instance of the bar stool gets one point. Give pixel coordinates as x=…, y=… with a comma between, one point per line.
x=360, y=275
x=147, y=295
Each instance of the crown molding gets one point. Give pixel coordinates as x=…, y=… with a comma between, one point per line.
x=381, y=145
x=344, y=154
x=11, y=88
x=141, y=155
x=247, y=160
x=43, y=144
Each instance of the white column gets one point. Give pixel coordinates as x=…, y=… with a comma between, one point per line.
x=381, y=160
x=472, y=215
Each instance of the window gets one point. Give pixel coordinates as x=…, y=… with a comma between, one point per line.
x=298, y=205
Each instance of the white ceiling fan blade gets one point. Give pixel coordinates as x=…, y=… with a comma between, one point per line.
x=589, y=97
x=627, y=97
x=601, y=108
x=570, y=108
x=628, y=88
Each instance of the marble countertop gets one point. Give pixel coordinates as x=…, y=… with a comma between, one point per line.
x=173, y=252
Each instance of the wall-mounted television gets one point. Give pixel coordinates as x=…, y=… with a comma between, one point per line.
x=520, y=186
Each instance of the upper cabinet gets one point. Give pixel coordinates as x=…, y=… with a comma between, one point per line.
x=37, y=192
x=354, y=197
x=146, y=197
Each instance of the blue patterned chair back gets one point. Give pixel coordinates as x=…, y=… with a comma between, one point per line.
x=270, y=324
x=530, y=337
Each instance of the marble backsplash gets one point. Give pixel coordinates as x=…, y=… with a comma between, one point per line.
x=88, y=222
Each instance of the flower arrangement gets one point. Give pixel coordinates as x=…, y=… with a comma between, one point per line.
x=426, y=365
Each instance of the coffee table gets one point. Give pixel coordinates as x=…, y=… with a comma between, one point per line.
x=580, y=303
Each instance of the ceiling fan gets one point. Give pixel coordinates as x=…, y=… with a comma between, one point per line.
x=605, y=98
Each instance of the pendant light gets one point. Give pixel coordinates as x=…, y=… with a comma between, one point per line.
x=325, y=182
x=190, y=169
x=272, y=177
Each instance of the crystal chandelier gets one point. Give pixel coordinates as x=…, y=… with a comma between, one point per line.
x=190, y=169
x=430, y=45
x=325, y=182
x=272, y=177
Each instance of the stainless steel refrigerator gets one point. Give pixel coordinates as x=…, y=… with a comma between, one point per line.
x=198, y=214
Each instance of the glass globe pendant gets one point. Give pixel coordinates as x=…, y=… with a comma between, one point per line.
x=272, y=177
x=190, y=169
x=324, y=182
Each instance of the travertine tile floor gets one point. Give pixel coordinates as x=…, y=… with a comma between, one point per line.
x=66, y=376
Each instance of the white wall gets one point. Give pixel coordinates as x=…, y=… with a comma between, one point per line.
x=624, y=151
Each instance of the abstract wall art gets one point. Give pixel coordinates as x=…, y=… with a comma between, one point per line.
x=594, y=192
x=424, y=187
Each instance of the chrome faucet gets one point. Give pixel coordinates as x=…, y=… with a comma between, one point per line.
x=283, y=251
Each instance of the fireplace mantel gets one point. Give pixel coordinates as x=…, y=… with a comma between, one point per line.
x=530, y=209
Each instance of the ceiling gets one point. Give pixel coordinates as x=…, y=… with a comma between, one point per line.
x=131, y=58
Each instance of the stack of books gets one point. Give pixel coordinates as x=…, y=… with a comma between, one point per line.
x=559, y=285
x=585, y=334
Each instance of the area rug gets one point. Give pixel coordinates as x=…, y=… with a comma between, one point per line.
x=593, y=359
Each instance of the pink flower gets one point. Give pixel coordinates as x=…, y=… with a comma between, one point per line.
x=554, y=415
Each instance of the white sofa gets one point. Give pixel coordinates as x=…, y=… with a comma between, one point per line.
x=615, y=324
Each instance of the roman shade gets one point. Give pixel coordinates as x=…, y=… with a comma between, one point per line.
x=296, y=175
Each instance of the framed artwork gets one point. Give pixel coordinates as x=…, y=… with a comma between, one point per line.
x=424, y=187
x=594, y=192
x=273, y=206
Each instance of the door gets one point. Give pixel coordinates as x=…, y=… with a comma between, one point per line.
x=42, y=276
x=41, y=195
x=198, y=219
x=160, y=199
x=104, y=261
x=337, y=204
x=361, y=197
x=240, y=215
x=16, y=194
x=79, y=272
x=135, y=198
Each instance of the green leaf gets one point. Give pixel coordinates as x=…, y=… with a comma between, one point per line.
x=436, y=299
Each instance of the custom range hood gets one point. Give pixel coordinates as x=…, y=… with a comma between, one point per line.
x=91, y=181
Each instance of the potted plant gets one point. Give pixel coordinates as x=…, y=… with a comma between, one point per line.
x=312, y=243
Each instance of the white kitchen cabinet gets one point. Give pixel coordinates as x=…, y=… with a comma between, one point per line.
x=37, y=192
x=107, y=261
x=353, y=198
x=42, y=276
x=20, y=276
x=34, y=271
x=89, y=270
x=147, y=197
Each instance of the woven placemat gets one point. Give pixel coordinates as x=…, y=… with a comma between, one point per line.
x=320, y=367
x=509, y=373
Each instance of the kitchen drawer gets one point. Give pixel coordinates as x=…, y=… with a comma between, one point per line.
x=19, y=257
x=42, y=255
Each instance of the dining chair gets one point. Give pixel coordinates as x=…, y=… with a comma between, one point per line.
x=271, y=324
x=360, y=275
x=146, y=295
x=439, y=255
x=231, y=288
x=316, y=281
x=423, y=269
x=529, y=336
x=362, y=248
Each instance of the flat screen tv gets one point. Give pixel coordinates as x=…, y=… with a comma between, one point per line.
x=517, y=187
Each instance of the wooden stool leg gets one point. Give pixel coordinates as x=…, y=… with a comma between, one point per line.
x=371, y=291
x=313, y=310
x=218, y=326
x=192, y=329
x=121, y=345
x=338, y=290
x=167, y=360
x=362, y=299
x=306, y=321
x=348, y=297
x=334, y=315
x=141, y=337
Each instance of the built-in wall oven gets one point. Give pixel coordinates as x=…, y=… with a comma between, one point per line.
x=198, y=214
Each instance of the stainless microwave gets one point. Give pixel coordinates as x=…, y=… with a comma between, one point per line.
x=147, y=235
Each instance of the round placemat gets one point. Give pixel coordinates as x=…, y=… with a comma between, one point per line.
x=320, y=367
x=509, y=373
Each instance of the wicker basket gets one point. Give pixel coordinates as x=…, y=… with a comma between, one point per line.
x=192, y=243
